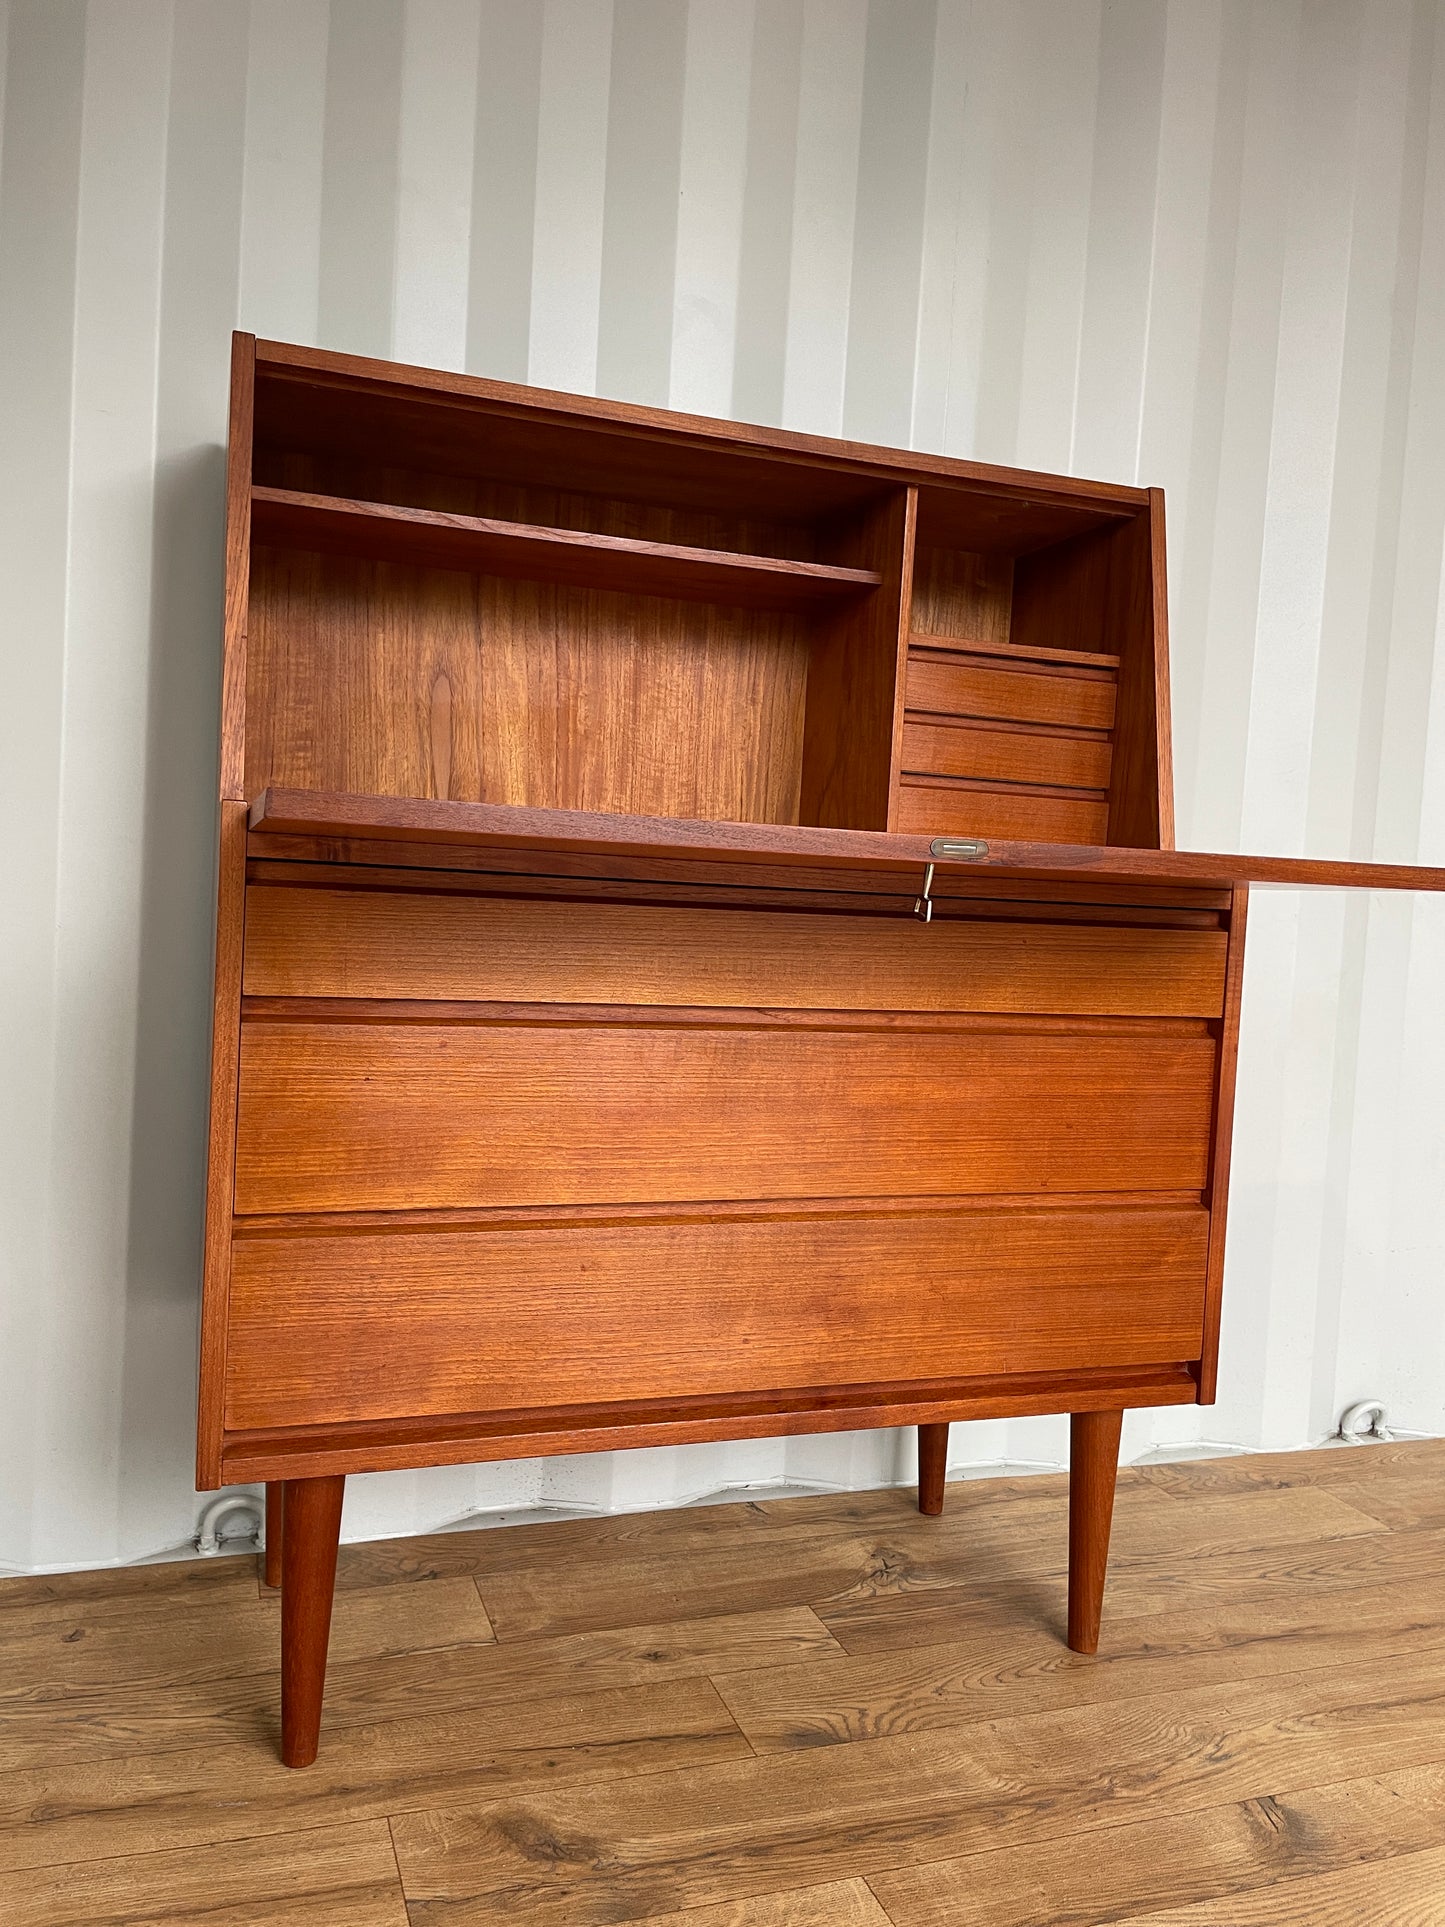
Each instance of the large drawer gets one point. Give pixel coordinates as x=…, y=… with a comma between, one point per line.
x=386, y=1115
x=373, y=943
x=333, y=1326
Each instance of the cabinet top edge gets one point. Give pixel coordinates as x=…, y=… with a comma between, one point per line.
x=326, y=368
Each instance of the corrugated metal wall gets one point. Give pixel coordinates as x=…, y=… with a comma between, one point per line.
x=1171, y=241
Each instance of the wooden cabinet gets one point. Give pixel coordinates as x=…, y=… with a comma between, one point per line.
x=700, y=953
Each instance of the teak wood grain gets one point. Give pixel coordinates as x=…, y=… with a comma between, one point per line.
x=853, y=717
x=373, y=861
x=221, y=1138
x=1013, y=755
x=936, y=807
x=467, y=424
x=607, y=1052
x=941, y=685
x=373, y=677
x=330, y=1328
x=238, y=571
x=463, y=1438
x=346, y=1115
x=961, y=594
x=899, y=856
x=1221, y=1143
x=384, y=944
x=485, y=545
x=1029, y=656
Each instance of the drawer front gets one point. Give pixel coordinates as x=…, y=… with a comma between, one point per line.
x=339, y=1116
x=1011, y=756
x=938, y=687
x=369, y=943
x=936, y=809
x=326, y=1328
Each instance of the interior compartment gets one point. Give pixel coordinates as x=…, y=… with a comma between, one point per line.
x=548, y=611
x=516, y=641
x=388, y=678
x=1029, y=695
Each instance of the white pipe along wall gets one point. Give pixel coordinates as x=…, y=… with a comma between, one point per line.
x=1161, y=241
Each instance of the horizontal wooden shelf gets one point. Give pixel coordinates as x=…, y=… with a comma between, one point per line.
x=1011, y=652
x=665, y=839
x=380, y=531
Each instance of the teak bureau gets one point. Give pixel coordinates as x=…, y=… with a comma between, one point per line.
x=700, y=953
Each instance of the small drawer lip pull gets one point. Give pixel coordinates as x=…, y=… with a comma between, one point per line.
x=958, y=849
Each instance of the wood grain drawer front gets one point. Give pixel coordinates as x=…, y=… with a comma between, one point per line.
x=935, y=809
x=1005, y=755
x=944, y=688
x=340, y=1116
x=326, y=1328
x=367, y=943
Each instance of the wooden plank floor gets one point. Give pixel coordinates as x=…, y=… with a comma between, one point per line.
x=817, y=1712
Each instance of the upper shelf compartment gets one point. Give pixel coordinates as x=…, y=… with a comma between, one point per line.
x=348, y=414
x=429, y=538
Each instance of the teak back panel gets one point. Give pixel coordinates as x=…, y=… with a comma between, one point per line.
x=380, y=679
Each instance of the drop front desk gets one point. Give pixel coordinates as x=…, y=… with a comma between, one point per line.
x=700, y=954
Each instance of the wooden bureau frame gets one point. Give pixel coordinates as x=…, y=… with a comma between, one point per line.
x=700, y=954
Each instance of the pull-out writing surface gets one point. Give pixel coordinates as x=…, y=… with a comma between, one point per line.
x=699, y=952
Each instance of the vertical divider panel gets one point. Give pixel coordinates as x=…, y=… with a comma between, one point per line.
x=853, y=715
x=900, y=669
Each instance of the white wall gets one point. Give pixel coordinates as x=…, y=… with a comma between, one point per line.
x=1166, y=241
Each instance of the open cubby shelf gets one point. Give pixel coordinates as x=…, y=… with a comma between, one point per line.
x=386, y=532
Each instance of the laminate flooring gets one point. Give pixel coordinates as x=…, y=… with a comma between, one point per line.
x=801, y=1712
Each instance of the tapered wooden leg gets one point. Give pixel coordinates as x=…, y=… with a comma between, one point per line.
x=311, y=1527
x=271, y=1565
x=932, y=1465
x=1093, y=1470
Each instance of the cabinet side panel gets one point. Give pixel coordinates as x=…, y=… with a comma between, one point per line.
x=1218, y=1194
x=238, y=569
x=1163, y=709
x=221, y=1146
x=330, y=1328
x=1141, y=791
